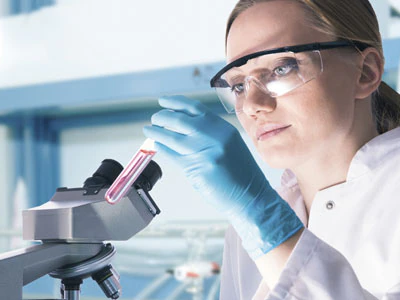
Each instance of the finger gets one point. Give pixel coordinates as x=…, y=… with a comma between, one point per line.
x=169, y=153
x=184, y=104
x=175, y=121
x=180, y=143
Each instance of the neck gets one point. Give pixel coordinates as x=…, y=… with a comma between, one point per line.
x=322, y=173
x=330, y=167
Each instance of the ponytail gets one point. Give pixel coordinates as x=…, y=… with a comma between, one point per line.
x=386, y=108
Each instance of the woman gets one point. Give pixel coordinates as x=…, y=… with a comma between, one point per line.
x=304, y=79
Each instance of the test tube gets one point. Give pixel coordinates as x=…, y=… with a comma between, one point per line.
x=131, y=172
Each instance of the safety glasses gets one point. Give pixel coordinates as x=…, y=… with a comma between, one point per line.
x=276, y=72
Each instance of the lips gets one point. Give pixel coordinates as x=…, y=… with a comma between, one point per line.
x=270, y=130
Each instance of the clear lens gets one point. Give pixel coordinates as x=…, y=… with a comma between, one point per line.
x=274, y=74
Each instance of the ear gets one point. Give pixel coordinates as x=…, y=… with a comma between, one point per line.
x=371, y=73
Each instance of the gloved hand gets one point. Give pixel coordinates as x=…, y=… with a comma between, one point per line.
x=219, y=165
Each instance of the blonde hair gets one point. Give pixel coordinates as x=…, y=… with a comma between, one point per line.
x=353, y=20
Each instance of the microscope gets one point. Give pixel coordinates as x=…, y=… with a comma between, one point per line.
x=73, y=230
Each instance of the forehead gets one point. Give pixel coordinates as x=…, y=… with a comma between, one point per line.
x=268, y=25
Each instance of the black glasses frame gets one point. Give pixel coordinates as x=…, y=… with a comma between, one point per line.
x=216, y=82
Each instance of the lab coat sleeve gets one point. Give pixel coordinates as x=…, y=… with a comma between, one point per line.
x=315, y=270
x=229, y=286
x=240, y=278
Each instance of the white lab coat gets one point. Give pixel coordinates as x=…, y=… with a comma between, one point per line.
x=351, y=247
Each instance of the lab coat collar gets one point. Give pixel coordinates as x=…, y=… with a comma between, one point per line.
x=371, y=155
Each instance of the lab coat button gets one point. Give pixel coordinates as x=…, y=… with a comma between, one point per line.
x=330, y=205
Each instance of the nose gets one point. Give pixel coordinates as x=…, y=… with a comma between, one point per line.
x=257, y=98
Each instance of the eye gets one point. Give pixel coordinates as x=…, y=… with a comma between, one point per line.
x=238, y=88
x=285, y=68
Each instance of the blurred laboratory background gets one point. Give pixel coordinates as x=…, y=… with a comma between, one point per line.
x=78, y=81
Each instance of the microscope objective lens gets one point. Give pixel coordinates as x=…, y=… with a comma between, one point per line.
x=131, y=172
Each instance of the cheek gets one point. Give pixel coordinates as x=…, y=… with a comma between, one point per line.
x=338, y=101
x=246, y=124
x=322, y=112
x=323, y=121
x=337, y=90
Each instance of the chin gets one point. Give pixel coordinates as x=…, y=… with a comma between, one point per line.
x=277, y=158
x=278, y=163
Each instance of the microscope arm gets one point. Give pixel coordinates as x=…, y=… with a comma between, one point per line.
x=20, y=267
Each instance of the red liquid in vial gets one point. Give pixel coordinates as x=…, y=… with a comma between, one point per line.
x=129, y=174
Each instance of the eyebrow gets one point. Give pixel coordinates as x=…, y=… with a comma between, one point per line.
x=238, y=73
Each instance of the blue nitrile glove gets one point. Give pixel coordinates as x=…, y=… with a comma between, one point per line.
x=219, y=165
